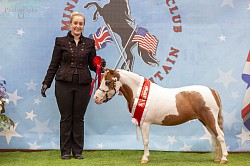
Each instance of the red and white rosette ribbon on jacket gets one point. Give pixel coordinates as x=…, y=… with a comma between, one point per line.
x=98, y=64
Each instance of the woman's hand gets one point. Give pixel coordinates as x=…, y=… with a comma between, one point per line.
x=43, y=90
x=103, y=62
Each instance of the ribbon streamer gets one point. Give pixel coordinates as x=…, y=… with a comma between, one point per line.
x=98, y=64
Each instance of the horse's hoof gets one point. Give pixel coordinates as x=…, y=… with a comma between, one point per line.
x=223, y=161
x=217, y=160
x=144, y=161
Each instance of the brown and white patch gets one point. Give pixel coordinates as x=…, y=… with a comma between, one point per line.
x=190, y=105
x=128, y=94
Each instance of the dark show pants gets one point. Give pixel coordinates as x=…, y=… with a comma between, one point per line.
x=72, y=100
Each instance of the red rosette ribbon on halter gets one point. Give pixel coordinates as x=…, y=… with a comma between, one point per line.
x=98, y=64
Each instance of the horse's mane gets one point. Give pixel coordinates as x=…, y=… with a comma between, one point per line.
x=127, y=73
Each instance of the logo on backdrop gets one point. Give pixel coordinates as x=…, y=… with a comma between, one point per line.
x=117, y=18
x=118, y=23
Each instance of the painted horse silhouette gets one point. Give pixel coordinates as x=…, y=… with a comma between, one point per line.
x=150, y=103
x=116, y=15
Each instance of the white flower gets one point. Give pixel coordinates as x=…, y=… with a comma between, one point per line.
x=134, y=121
x=7, y=101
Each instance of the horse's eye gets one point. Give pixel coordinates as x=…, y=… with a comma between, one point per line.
x=107, y=82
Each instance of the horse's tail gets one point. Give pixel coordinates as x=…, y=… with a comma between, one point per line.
x=219, y=104
x=220, y=117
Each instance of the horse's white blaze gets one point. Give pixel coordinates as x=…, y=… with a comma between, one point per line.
x=99, y=95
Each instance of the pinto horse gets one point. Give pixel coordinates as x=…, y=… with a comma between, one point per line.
x=150, y=103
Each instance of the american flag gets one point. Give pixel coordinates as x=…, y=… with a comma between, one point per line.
x=246, y=103
x=101, y=36
x=146, y=41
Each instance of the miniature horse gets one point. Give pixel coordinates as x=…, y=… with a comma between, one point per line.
x=150, y=103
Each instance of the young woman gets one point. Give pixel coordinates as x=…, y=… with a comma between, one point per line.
x=72, y=59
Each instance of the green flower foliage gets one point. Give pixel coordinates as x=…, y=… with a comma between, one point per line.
x=5, y=122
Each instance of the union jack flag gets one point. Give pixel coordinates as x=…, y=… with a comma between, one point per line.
x=245, y=114
x=101, y=36
x=146, y=41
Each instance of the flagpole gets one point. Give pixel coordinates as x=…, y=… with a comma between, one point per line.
x=125, y=48
x=121, y=51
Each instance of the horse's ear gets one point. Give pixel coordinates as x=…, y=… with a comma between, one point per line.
x=111, y=71
x=106, y=69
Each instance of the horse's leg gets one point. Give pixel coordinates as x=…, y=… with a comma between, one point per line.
x=215, y=125
x=218, y=151
x=219, y=129
x=145, y=138
x=223, y=147
x=216, y=148
x=98, y=8
x=220, y=136
x=90, y=4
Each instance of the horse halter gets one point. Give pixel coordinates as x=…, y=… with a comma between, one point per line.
x=107, y=83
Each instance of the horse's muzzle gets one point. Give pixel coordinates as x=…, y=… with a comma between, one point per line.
x=97, y=100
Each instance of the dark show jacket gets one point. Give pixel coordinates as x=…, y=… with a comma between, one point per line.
x=68, y=59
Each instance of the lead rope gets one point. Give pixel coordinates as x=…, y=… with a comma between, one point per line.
x=93, y=85
x=98, y=77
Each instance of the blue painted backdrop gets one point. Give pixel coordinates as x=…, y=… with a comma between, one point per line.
x=210, y=41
